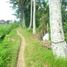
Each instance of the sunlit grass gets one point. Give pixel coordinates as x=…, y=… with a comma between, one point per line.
x=9, y=48
x=38, y=56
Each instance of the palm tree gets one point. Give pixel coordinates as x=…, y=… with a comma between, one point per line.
x=31, y=15
x=59, y=45
x=23, y=18
x=34, y=24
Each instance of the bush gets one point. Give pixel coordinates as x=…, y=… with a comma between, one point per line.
x=65, y=30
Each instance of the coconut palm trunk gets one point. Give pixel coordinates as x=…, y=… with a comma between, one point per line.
x=34, y=24
x=23, y=19
x=59, y=45
x=31, y=16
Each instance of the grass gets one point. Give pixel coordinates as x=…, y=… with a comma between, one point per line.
x=35, y=54
x=6, y=28
x=38, y=56
x=9, y=48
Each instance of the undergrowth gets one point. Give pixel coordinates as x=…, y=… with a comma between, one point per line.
x=38, y=56
x=9, y=47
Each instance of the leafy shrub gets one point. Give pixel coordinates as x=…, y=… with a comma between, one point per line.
x=65, y=30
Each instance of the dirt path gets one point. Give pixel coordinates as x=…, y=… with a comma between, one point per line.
x=20, y=60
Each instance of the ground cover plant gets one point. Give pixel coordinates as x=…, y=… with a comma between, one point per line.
x=38, y=56
x=9, y=47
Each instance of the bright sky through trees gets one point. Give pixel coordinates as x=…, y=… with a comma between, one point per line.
x=5, y=10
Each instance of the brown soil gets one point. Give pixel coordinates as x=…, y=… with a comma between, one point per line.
x=20, y=60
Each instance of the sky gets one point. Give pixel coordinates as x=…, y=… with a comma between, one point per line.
x=6, y=11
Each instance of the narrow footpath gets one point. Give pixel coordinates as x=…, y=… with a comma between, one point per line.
x=21, y=60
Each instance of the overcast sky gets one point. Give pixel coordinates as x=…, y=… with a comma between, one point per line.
x=5, y=10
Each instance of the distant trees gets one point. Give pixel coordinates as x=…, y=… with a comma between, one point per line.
x=19, y=6
x=26, y=12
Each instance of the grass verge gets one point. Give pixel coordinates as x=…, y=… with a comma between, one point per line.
x=38, y=56
x=8, y=49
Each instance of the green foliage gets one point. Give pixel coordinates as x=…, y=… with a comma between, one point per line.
x=42, y=13
x=6, y=28
x=38, y=56
x=21, y=6
x=42, y=18
x=65, y=30
x=9, y=47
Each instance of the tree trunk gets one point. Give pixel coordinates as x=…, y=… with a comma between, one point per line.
x=23, y=19
x=34, y=24
x=59, y=46
x=31, y=16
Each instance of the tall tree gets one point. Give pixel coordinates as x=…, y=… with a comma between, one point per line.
x=34, y=24
x=59, y=45
x=31, y=2
x=20, y=6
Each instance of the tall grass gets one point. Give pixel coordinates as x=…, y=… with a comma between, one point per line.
x=9, y=46
x=38, y=56
x=6, y=28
